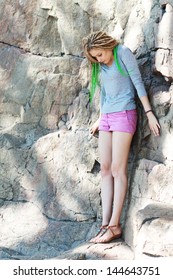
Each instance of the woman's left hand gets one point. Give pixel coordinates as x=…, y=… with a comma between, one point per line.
x=153, y=124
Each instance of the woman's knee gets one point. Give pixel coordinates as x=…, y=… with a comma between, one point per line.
x=105, y=169
x=118, y=170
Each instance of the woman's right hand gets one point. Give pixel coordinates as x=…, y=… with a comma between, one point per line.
x=94, y=127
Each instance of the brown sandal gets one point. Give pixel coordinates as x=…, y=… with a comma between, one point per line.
x=115, y=233
x=100, y=232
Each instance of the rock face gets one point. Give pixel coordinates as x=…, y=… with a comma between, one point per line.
x=49, y=166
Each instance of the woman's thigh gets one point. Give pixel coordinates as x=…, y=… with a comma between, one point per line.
x=121, y=142
x=105, y=148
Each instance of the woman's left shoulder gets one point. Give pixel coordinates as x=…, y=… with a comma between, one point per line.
x=123, y=49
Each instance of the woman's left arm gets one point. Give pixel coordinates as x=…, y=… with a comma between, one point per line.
x=153, y=122
x=131, y=64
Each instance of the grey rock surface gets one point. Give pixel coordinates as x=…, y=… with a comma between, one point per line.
x=50, y=201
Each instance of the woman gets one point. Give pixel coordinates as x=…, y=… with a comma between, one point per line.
x=119, y=80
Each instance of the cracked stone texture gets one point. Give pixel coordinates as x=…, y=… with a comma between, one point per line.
x=157, y=221
x=113, y=251
x=164, y=43
x=50, y=201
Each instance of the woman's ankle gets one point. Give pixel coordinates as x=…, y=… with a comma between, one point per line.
x=114, y=225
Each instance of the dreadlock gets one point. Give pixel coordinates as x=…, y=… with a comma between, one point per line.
x=99, y=40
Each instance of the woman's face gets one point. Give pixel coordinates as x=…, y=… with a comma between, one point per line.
x=102, y=55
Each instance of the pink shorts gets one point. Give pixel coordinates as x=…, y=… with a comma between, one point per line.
x=124, y=121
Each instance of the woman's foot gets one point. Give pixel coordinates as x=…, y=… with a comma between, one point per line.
x=101, y=231
x=111, y=233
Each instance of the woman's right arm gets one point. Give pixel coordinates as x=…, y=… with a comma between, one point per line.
x=94, y=128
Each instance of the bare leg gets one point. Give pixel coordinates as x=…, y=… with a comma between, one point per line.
x=107, y=187
x=120, y=153
x=107, y=190
x=120, y=150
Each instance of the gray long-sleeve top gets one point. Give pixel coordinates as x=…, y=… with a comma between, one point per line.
x=117, y=90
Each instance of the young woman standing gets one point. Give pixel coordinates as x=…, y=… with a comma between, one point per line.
x=115, y=68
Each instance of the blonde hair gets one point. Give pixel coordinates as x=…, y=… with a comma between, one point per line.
x=99, y=40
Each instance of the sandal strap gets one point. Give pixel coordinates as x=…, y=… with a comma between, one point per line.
x=102, y=232
x=105, y=226
x=101, y=229
x=113, y=227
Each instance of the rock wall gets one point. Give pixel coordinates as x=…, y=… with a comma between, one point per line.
x=49, y=165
